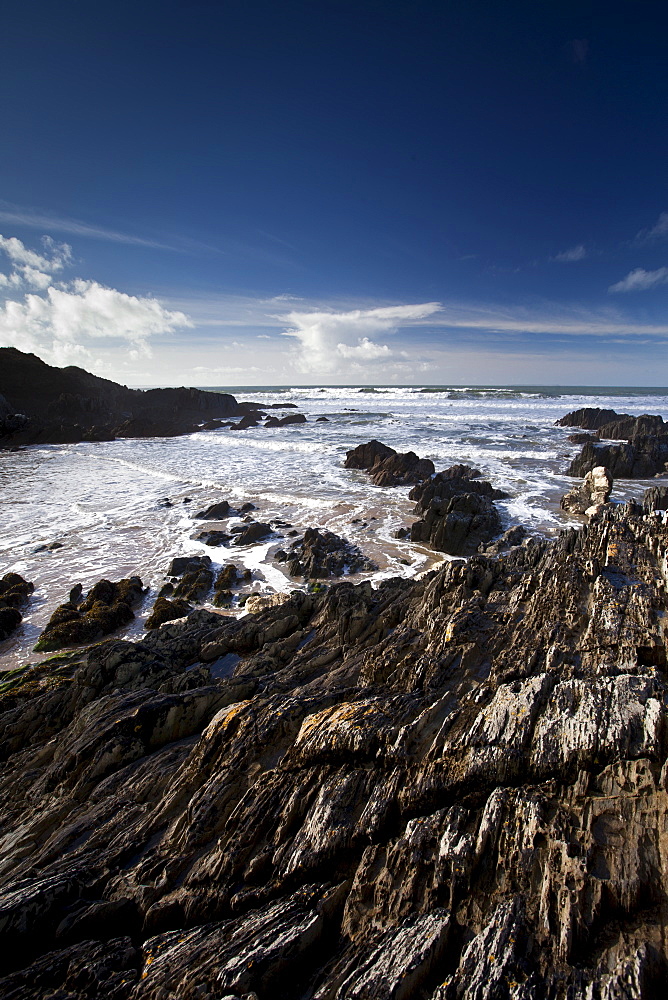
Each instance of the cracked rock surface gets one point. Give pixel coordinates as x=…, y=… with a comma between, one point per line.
x=452, y=788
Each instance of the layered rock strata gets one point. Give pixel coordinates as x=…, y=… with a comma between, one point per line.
x=448, y=789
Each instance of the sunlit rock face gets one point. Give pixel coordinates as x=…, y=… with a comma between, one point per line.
x=447, y=789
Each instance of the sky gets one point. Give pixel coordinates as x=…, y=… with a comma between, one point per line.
x=232, y=192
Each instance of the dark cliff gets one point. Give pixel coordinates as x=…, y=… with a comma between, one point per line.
x=70, y=404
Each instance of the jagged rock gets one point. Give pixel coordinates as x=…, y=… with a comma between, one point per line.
x=388, y=467
x=588, y=497
x=245, y=423
x=107, y=606
x=451, y=788
x=644, y=455
x=455, y=481
x=458, y=524
x=640, y=459
x=590, y=418
x=230, y=576
x=256, y=531
x=581, y=438
x=508, y=540
x=216, y=511
x=655, y=498
x=321, y=553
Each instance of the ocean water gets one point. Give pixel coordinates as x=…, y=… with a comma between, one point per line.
x=105, y=502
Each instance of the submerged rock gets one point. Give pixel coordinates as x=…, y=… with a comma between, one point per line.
x=450, y=788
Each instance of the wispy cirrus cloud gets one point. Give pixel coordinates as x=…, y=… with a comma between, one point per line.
x=36, y=219
x=573, y=254
x=639, y=280
x=658, y=231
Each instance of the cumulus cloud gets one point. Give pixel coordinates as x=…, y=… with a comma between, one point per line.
x=575, y=253
x=639, y=280
x=332, y=341
x=62, y=320
x=32, y=269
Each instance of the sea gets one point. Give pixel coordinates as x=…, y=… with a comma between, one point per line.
x=125, y=507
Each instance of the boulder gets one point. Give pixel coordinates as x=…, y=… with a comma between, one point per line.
x=107, y=607
x=388, y=467
x=188, y=564
x=594, y=490
x=256, y=531
x=167, y=611
x=214, y=538
x=458, y=525
x=216, y=511
x=321, y=554
x=589, y=418
x=445, y=485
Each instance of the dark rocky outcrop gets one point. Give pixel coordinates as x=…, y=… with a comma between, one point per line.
x=62, y=405
x=107, y=607
x=14, y=593
x=451, y=788
x=292, y=418
x=452, y=482
x=655, y=498
x=229, y=578
x=459, y=525
x=216, y=511
x=589, y=418
x=644, y=455
x=387, y=467
x=214, y=538
x=321, y=554
x=457, y=513
x=588, y=496
x=255, y=531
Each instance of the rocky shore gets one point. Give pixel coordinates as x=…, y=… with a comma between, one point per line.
x=445, y=788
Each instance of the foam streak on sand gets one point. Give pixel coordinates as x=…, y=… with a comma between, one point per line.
x=106, y=502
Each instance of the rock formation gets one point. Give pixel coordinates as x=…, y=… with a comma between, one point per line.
x=387, y=467
x=14, y=592
x=446, y=789
x=591, y=494
x=645, y=453
x=107, y=606
x=46, y=404
x=456, y=511
x=321, y=554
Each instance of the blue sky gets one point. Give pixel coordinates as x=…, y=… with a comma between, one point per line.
x=207, y=192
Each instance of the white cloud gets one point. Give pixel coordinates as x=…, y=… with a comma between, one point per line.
x=639, y=280
x=330, y=341
x=62, y=320
x=31, y=268
x=575, y=253
x=656, y=232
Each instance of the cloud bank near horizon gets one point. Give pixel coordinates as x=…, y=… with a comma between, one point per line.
x=331, y=342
